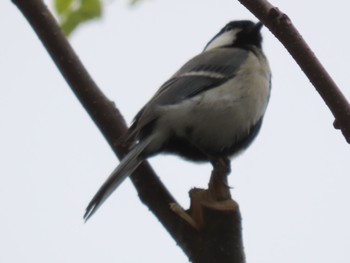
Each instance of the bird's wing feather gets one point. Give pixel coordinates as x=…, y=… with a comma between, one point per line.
x=203, y=72
x=207, y=70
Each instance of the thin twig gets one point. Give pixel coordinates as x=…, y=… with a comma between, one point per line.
x=281, y=26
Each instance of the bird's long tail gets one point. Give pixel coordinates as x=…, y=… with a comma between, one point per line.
x=126, y=167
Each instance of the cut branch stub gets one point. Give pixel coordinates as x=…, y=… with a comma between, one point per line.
x=211, y=229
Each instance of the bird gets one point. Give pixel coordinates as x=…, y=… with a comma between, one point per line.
x=210, y=110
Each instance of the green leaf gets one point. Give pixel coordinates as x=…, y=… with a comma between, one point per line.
x=71, y=22
x=91, y=8
x=76, y=13
x=62, y=6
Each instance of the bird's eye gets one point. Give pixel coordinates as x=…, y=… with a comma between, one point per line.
x=228, y=28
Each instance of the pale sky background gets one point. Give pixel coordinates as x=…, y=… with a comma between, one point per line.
x=292, y=184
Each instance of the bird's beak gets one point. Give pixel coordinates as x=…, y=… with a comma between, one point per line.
x=258, y=26
x=255, y=30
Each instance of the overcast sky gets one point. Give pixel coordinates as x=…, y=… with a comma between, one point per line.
x=292, y=184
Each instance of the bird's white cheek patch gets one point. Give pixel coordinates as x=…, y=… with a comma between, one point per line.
x=225, y=39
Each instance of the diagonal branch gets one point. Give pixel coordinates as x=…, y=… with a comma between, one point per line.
x=102, y=111
x=281, y=26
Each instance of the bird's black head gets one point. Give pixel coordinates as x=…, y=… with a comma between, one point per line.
x=242, y=34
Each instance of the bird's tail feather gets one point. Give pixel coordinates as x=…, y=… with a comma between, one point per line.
x=126, y=167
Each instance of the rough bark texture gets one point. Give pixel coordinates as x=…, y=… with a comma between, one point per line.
x=219, y=235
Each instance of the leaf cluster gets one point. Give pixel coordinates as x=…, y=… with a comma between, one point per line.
x=73, y=13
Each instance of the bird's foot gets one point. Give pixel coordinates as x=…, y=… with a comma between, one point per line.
x=218, y=185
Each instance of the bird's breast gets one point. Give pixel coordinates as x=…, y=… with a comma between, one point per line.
x=219, y=118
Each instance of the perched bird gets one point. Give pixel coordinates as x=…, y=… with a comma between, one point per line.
x=209, y=110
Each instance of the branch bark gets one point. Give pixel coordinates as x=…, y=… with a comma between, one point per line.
x=216, y=237
x=102, y=111
x=281, y=26
x=217, y=232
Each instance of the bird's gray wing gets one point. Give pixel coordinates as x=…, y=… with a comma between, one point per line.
x=203, y=72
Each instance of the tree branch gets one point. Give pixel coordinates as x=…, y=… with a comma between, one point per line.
x=102, y=111
x=281, y=26
x=217, y=232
